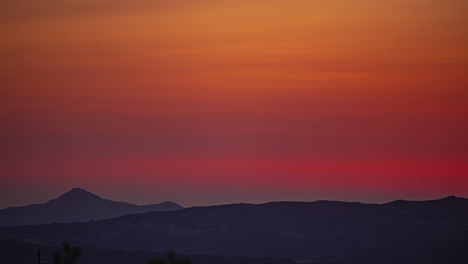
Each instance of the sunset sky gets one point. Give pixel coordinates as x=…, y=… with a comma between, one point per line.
x=215, y=101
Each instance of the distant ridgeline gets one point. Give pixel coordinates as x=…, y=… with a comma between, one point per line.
x=76, y=205
x=405, y=232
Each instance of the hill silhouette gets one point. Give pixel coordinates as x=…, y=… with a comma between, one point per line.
x=77, y=205
x=320, y=232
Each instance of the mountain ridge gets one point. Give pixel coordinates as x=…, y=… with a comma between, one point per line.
x=322, y=231
x=76, y=205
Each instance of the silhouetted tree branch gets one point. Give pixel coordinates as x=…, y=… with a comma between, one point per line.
x=69, y=255
x=171, y=259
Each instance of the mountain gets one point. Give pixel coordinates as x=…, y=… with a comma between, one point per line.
x=77, y=205
x=319, y=232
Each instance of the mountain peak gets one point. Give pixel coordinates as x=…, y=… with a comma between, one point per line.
x=76, y=205
x=77, y=190
x=77, y=194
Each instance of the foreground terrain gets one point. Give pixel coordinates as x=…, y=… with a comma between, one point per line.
x=316, y=232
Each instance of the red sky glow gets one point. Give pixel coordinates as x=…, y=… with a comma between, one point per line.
x=208, y=102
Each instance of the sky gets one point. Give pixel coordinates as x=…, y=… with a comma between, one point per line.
x=207, y=102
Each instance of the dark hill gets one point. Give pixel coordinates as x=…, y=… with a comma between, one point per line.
x=77, y=205
x=316, y=232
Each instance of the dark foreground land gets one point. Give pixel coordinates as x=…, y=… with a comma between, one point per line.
x=19, y=252
x=316, y=232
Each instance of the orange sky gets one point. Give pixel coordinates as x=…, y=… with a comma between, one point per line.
x=247, y=100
